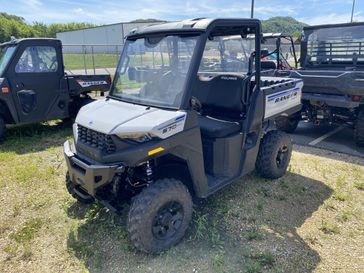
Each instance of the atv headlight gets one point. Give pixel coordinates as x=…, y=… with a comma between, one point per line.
x=138, y=137
x=75, y=131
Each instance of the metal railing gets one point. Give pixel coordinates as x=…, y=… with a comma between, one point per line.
x=91, y=59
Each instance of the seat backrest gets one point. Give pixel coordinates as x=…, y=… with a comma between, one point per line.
x=220, y=95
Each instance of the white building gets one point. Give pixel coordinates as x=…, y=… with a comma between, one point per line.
x=105, y=39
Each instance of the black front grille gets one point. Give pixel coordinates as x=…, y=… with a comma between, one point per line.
x=95, y=139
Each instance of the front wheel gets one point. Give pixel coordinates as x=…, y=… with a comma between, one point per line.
x=159, y=216
x=287, y=124
x=359, y=129
x=274, y=154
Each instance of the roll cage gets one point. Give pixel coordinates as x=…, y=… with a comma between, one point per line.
x=205, y=30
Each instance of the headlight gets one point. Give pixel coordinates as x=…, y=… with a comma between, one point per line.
x=75, y=131
x=138, y=137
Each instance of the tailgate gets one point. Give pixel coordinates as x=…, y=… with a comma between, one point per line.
x=282, y=98
x=85, y=83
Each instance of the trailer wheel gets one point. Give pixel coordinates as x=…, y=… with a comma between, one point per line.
x=287, y=124
x=79, y=195
x=359, y=129
x=159, y=216
x=2, y=128
x=274, y=154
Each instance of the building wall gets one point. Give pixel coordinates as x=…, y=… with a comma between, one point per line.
x=105, y=39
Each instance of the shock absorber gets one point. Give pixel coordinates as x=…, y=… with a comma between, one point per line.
x=149, y=172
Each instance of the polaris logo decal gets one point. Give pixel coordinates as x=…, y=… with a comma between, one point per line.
x=229, y=78
x=90, y=83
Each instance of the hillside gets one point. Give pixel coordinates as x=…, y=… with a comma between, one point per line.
x=286, y=25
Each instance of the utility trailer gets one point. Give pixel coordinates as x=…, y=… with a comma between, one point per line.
x=34, y=86
x=182, y=123
x=332, y=68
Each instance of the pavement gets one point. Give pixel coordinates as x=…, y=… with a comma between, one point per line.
x=329, y=137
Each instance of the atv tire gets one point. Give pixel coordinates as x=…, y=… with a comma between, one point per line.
x=359, y=129
x=2, y=129
x=159, y=216
x=274, y=154
x=71, y=188
x=287, y=124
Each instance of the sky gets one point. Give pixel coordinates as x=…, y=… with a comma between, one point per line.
x=106, y=11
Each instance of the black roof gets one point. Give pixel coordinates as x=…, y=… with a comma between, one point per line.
x=334, y=25
x=17, y=41
x=188, y=26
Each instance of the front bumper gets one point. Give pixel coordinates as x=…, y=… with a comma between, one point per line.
x=88, y=176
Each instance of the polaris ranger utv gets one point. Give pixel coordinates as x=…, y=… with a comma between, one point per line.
x=175, y=127
x=34, y=86
x=332, y=68
x=277, y=51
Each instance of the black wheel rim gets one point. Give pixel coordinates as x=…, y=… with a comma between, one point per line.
x=282, y=156
x=168, y=220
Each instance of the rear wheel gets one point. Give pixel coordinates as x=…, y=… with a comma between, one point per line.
x=78, y=194
x=359, y=128
x=287, y=124
x=2, y=128
x=159, y=216
x=274, y=154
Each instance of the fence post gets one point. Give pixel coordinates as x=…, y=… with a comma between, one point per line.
x=84, y=58
x=117, y=55
x=93, y=59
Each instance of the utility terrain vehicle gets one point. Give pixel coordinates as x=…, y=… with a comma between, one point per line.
x=278, y=52
x=180, y=121
x=34, y=86
x=332, y=68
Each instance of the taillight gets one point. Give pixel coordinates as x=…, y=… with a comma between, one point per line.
x=356, y=98
x=109, y=80
x=5, y=90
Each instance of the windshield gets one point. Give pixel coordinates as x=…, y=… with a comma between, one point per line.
x=287, y=59
x=227, y=54
x=5, y=55
x=153, y=70
x=335, y=45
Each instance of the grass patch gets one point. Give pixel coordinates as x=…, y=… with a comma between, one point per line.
x=328, y=228
x=341, y=196
x=43, y=229
x=28, y=231
x=253, y=234
x=359, y=185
